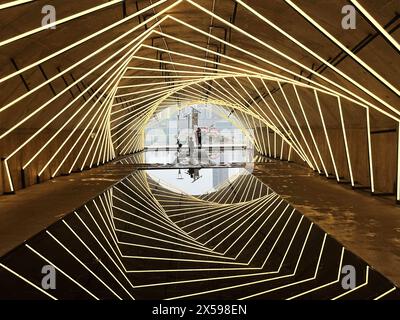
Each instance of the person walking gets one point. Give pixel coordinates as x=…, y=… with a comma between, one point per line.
x=191, y=146
x=198, y=135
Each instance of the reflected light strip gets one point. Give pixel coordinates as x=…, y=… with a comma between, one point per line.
x=27, y=281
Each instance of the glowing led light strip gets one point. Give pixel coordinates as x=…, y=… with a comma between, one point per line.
x=249, y=227
x=226, y=277
x=134, y=120
x=161, y=214
x=245, y=205
x=376, y=24
x=254, y=282
x=385, y=293
x=398, y=162
x=166, y=77
x=338, y=71
x=190, y=253
x=99, y=260
x=76, y=127
x=326, y=136
x=269, y=232
x=103, y=107
x=130, y=146
x=297, y=282
x=286, y=276
x=104, y=236
x=123, y=272
x=85, y=59
x=148, y=195
x=226, y=187
x=156, y=105
x=14, y=3
x=145, y=84
x=167, y=226
x=109, y=224
x=259, y=227
x=135, y=109
x=178, y=63
x=324, y=285
x=51, y=100
x=59, y=270
x=95, y=125
x=251, y=98
x=249, y=53
x=51, y=56
x=85, y=266
x=345, y=141
x=216, y=255
x=290, y=128
x=309, y=129
x=7, y=169
x=179, y=241
x=356, y=288
x=275, y=116
x=198, y=248
x=203, y=60
x=210, y=213
x=59, y=21
x=301, y=65
x=141, y=97
x=371, y=167
x=344, y=48
x=27, y=281
x=301, y=131
x=262, y=202
x=208, y=269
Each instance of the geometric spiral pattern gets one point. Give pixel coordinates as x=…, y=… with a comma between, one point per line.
x=140, y=240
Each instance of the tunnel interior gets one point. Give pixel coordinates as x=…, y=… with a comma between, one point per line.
x=211, y=149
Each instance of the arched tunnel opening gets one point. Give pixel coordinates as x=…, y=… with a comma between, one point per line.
x=211, y=149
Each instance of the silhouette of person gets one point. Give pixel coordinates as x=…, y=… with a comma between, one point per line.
x=191, y=146
x=198, y=135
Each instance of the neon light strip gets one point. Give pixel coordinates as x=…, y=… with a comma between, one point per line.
x=14, y=3
x=371, y=167
x=58, y=269
x=398, y=162
x=338, y=71
x=345, y=141
x=59, y=21
x=326, y=136
x=356, y=288
x=377, y=25
x=26, y=280
x=344, y=48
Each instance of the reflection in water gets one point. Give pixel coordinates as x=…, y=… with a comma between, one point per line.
x=195, y=181
x=205, y=156
x=364, y=224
